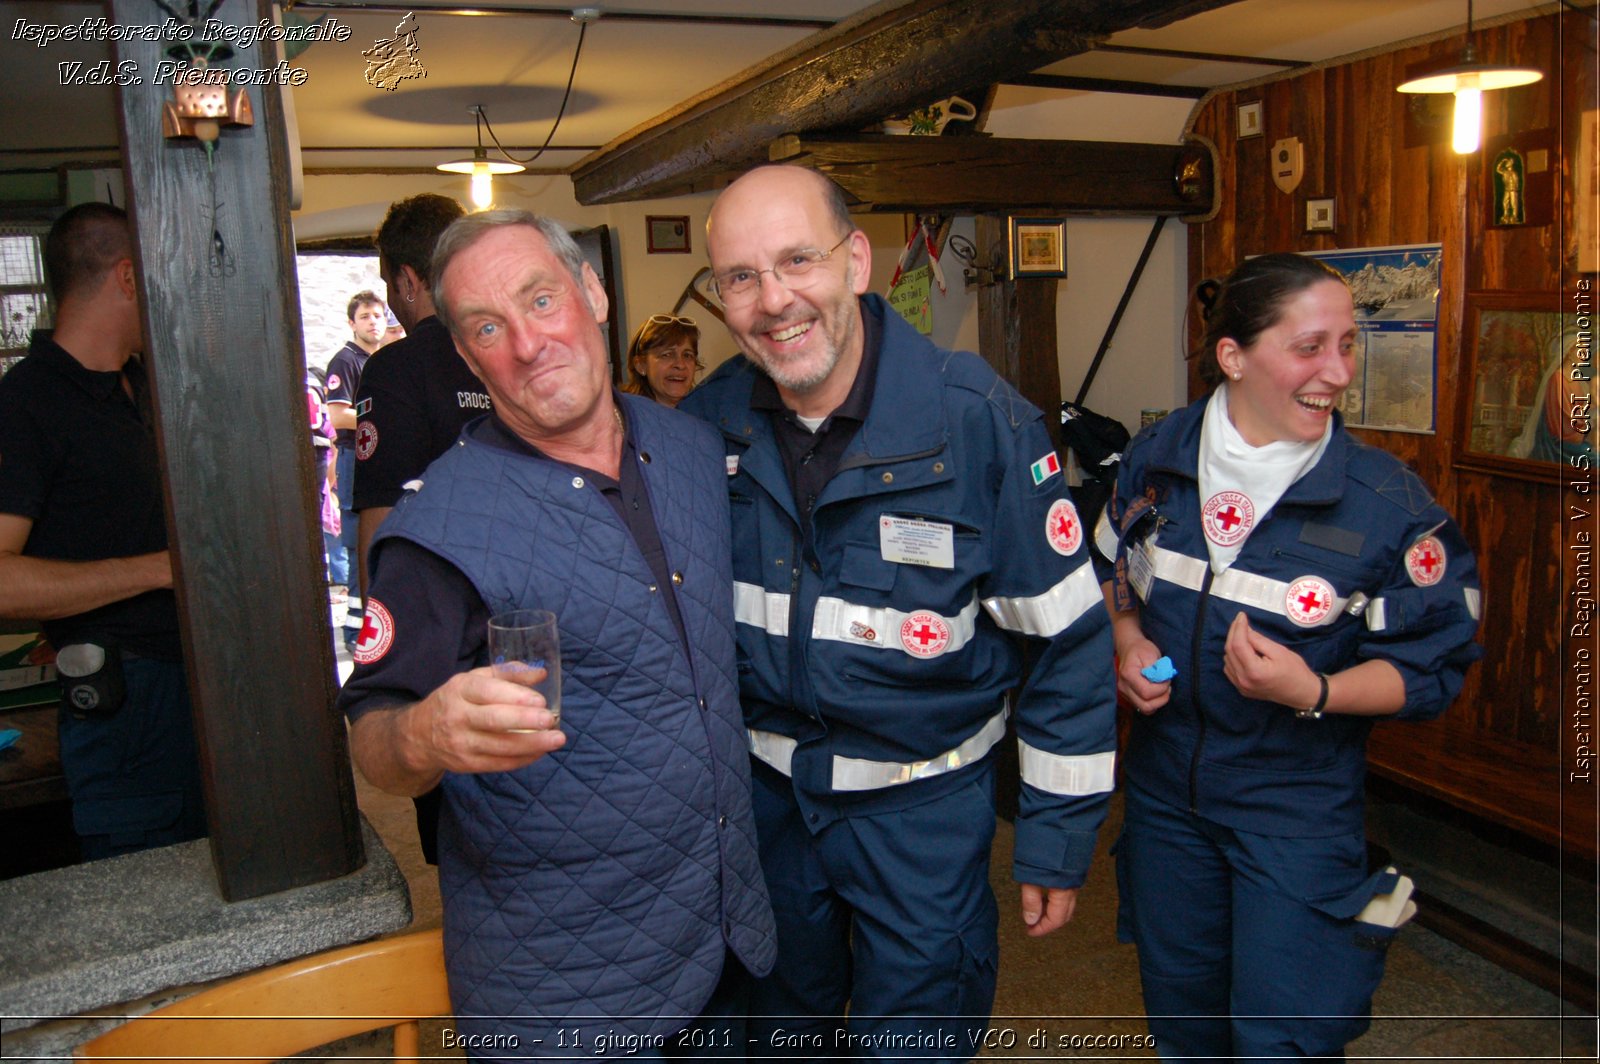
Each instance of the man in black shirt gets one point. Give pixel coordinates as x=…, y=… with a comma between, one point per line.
x=83, y=546
x=414, y=400
x=368, y=322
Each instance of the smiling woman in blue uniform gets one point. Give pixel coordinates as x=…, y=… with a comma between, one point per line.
x=1302, y=585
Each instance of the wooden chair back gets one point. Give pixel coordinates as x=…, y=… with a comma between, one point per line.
x=278, y=1012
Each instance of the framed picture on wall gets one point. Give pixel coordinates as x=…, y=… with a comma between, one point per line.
x=1527, y=401
x=1396, y=292
x=1038, y=247
x=667, y=234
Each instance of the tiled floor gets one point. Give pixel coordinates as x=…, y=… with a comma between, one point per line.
x=1438, y=1002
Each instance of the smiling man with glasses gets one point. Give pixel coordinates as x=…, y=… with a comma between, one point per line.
x=901, y=534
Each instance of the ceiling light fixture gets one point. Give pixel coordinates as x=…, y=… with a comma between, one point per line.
x=481, y=167
x=1469, y=80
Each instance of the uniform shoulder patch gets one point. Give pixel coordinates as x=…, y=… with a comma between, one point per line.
x=377, y=634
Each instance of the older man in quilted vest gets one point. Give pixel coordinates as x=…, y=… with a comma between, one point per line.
x=601, y=887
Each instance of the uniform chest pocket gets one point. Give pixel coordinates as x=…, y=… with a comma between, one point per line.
x=863, y=566
x=1346, y=573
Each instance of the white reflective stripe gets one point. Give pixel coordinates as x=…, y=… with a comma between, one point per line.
x=1376, y=620
x=1234, y=585
x=858, y=774
x=773, y=749
x=879, y=626
x=1052, y=612
x=1075, y=774
x=1105, y=537
x=1474, y=599
x=767, y=610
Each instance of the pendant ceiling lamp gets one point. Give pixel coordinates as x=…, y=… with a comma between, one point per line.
x=1468, y=81
x=481, y=167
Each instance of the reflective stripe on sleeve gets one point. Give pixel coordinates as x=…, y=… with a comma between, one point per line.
x=1235, y=585
x=1105, y=537
x=1069, y=774
x=879, y=626
x=767, y=610
x=860, y=774
x=1378, y=618
x=1052, y=612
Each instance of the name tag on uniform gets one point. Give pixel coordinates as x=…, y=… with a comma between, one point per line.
x=1141, y=569
x=908, y=541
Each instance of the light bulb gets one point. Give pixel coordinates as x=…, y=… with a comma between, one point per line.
x=482, y=186
x=1468, y=119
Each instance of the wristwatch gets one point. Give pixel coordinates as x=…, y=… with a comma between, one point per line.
x=1315, y=712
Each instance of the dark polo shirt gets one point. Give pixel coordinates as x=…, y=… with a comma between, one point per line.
x=78, y=457
x=440, y=622
x=811, y=458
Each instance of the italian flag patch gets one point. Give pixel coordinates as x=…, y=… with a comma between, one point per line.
x=1045, y=468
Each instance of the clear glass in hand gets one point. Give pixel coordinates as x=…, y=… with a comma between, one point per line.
x=525, y=648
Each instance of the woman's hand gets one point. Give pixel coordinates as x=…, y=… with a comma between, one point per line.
x=1144, y=696
x=1261, y=668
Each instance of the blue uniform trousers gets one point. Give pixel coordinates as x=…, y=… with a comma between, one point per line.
x=891, y=913
x=1239, y=954
x=134, y=776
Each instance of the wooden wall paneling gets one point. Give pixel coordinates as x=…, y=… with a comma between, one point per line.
x=1254, y=192
x=1497, y=751
x=1310, y=124
x=1579, y=41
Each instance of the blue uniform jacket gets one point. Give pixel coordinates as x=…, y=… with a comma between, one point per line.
x=609, y=878
x=873, y=682
x=1329, y=574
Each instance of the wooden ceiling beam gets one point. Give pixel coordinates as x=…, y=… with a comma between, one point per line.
x=886, y=60
x=991, y=175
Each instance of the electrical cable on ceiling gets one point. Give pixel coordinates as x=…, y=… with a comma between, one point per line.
x=583, y=29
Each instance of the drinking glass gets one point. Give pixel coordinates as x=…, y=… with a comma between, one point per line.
x=523, y=641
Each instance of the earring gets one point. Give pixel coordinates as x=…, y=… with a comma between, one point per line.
x=1236, y=376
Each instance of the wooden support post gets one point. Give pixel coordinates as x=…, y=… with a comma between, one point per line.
x=1017, y=330
x=222, y=329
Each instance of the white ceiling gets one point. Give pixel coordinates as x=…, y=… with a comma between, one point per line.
x=631, y=69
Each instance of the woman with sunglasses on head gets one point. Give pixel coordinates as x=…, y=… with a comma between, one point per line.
x=664, y=359
x=1302, y=586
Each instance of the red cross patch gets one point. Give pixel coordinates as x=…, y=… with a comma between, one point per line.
x=1425, y=561
x=1308, y=600
x=1228, y=517
x=1062, y=527
x=366, y=440
x=925, y=635
x=377, y=634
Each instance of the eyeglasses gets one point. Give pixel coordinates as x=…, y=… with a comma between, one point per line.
x=672, y=319
x=740, y=286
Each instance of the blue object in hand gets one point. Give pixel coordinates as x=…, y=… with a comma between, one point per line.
x=1159, y=672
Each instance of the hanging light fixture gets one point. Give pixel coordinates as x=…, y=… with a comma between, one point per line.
x=481, y=167
x=1469, y=80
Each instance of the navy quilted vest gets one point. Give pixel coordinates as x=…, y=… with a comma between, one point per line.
x=606, y=879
